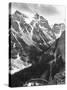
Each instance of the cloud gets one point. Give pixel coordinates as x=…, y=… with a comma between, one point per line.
x=48, y=9
x=32, y=8
x=21, y=6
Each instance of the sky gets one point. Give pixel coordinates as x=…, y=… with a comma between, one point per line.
x=53, y=13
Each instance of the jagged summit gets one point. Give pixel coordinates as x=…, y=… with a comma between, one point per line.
x=21, y=14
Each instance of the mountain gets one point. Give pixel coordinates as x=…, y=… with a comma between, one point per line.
x=38, y=30
x=29, y=40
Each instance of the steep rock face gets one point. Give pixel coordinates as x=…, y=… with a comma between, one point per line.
x=42, y=30
x=29, y=40
x=58, y=29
